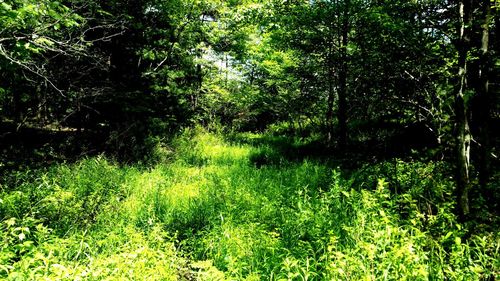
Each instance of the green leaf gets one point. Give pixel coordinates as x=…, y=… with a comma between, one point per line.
x=10, y=222
x=6, y=7
x=44, y=41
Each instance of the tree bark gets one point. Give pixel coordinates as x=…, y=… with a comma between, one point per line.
x=331, y=93
x=329, y=111
x=462, y=130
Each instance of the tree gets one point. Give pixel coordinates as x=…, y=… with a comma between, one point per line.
x=463, y=135
x=31, y=34
x=472, y=96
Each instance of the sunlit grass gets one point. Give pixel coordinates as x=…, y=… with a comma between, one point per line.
x=222, y=210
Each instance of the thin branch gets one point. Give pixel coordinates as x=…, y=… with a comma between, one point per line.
x=9, y=58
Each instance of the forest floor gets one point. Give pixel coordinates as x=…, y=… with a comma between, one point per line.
x=246, y=207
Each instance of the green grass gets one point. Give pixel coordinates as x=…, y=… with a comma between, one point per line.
x=215, y=209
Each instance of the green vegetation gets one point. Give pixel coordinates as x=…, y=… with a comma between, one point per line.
x=249, y=140
x=216, y=209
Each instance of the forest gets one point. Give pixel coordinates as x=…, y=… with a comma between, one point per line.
x=249, y=140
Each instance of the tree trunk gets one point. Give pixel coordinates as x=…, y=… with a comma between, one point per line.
x=483, y=97
x=462, y=130
x=17, y=107
x=342, y=111
x=331, y=95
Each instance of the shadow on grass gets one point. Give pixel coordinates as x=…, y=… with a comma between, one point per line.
x=276, y=149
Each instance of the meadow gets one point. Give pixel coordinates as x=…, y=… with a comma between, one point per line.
x=212, y=207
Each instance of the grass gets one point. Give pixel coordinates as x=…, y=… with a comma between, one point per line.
x=218, y=209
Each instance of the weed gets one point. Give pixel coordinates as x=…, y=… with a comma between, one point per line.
x=214, y=209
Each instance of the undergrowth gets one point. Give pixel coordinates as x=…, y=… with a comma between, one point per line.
x=213, y=209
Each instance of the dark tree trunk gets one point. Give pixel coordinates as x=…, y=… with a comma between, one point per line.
x=331, y=94
x=16, y=107
x=483, y=98
x=462, y=130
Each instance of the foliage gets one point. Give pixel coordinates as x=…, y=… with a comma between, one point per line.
x=345, y=137
x=212, y=213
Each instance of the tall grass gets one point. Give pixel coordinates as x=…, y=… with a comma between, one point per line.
x=221, y=210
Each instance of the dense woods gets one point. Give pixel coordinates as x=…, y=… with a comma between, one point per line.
x=249, y=140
